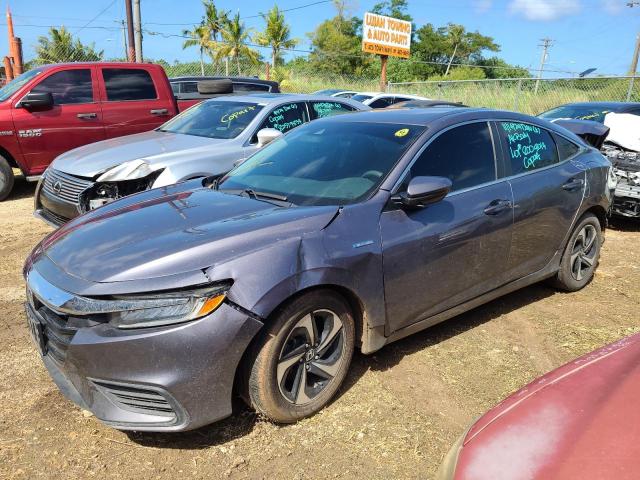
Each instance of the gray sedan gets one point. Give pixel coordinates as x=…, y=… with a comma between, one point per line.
x=348, y=233
x=207, y=139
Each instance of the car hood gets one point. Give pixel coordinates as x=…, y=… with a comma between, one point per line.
x=579, y=421
x=157, y=148
x=169, y=230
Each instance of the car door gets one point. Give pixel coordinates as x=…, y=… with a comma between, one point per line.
x=74, y=120
x=449, y=252
x=130, y=101
x=283, y=117
x=547, y=191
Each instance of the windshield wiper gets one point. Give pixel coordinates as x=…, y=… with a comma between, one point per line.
x=257, y=195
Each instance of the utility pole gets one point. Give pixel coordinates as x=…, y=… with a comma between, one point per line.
x=137, y=27
x=131, y=53
x=124, y=37
x=546, y=44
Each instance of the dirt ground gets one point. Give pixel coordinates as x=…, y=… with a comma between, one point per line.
x=396, y=416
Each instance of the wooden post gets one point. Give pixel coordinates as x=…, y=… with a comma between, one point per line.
x=131, y=57
x=383, y=72
x=267, y=68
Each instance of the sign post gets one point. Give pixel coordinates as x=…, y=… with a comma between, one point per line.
x=385, y=36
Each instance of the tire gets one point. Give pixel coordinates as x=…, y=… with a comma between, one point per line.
x=581, y=255
x=280, y=361
x=222, y=85
x=6, y=178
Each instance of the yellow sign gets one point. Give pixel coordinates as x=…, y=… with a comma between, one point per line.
x=402, y=132
x=386, y=36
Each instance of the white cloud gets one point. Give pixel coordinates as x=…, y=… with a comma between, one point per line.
x=614, y=7
x=482, y=6
x=544, y=10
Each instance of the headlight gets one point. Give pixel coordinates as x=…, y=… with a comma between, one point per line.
x=127, y=171
x=166, y=309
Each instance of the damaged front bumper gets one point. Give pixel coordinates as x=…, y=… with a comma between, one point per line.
x=626, y=167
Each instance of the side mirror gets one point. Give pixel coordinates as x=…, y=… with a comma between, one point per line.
x=267, y=135
x=423, y=191
x=36, y=100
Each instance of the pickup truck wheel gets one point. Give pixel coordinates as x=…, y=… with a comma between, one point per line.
x=6, y=178
x=303, y=357
x=581, y=255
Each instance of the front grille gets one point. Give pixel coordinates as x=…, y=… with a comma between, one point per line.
x=56, y=329
x=64, y=186
x=137, y=399
x=53, y=217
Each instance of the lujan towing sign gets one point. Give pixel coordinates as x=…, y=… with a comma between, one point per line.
x=385, y=36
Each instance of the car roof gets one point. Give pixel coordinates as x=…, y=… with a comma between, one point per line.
x=611, y=105
x=272, y=98
x=239, y=79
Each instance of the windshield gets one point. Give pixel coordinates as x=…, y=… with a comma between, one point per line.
x=213, y=119
x=14, y=85
x=324, y=162
x=578, y=112
x=360, y=97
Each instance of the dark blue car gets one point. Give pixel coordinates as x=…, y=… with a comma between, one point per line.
x=348, y=233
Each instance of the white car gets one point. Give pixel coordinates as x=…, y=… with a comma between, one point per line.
x=336, y=92
x=383, y=100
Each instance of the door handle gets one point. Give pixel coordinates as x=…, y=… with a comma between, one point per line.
x=497, y=206
x=573, y=184
x=87, y=115
x=159, y=111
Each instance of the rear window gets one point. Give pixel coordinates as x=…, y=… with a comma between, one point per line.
x=328, y=109
x=529, y=147
x=124, y=84
x=250, y=87
x=577, y=112
x=361, y=98
x=566, y=148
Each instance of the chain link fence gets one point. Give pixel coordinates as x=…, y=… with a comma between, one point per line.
x=525, y=94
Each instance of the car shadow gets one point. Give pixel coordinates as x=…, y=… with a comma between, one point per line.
x=623, y=224
x=21, y=189
x=244, y=420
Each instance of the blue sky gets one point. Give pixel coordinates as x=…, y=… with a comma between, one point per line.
x=585, y=33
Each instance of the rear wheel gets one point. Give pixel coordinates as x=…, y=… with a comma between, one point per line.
x=6, y=178
x=581, y=255
x=303, y=358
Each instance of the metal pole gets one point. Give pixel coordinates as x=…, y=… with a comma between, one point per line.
x=546, y=43
x=131, y=53
x=137, y=26
x=124, y=39
x=630, y=89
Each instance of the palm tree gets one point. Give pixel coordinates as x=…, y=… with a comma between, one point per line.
x=60, y=46
x=234, y=42
x=199, y=36
x=455, y=36
x=276, y=34
x=214, y=19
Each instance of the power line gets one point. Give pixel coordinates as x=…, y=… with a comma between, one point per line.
x=243, y=18
x=94, y=18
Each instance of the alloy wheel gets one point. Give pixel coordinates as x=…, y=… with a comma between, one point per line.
x=583, y=253
x=311, y=356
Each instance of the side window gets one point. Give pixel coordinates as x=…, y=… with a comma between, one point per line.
x=381, y=102
x=463, y=154
x=128, y=84
x=528, y=147
x=328, y=109
x=68, y=86
x=189, y=87
x=175, y=88
x=250, y=87
x=400, y=99
x=286, y=117
x=566, y=148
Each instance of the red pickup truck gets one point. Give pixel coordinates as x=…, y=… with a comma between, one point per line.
x=54, y=108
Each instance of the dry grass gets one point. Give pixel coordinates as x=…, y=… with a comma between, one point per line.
x=398, y=413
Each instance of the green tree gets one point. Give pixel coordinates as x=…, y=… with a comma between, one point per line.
x=60, y=46
x=235, y=36
x=495, y=67
x=393, y=8
x=455, y=38
x=276, y=35
x=205, y=35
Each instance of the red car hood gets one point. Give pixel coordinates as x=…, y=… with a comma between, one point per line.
x=581, y=421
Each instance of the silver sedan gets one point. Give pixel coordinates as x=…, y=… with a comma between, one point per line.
x=207, y=139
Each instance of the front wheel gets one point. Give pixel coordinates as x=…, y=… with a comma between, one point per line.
x=581, y=255
x=303, y=358
x=6, y=178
